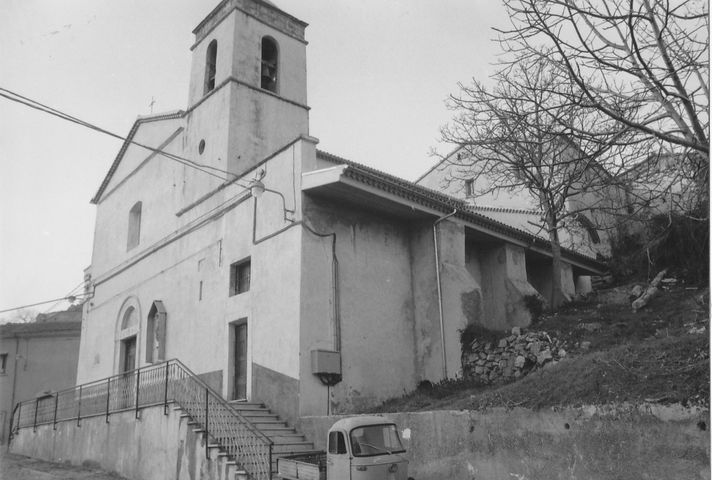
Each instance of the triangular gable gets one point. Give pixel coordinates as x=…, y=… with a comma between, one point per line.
x=129, y=142
x=438, y=164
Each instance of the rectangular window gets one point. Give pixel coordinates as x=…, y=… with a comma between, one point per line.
x=240, y=277
x=373, y=440
x=134, y=233
x=469, y=187
x=337, y=443
x=3, y=363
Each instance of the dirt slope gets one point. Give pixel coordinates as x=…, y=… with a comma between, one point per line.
x=657, y=355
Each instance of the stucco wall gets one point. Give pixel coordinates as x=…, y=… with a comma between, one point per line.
x=588, y=443
x=461, y=294
x=511, y=206
x=35, y=364
x=388, y=304
x=376, y=306
x=450, y=179
x=504, y=285
x=156, y=447
x=187, y=267
x=238, y=37
x=245, y=122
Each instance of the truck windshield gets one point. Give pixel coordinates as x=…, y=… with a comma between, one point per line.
x=373, y=440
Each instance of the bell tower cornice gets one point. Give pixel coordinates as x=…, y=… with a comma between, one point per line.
x=262, y=11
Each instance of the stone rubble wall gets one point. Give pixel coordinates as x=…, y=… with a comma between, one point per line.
x=511, y=357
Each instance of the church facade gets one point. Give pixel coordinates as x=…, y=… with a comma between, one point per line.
x=278, y=272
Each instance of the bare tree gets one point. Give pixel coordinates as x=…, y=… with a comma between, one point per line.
x=23, y=315
x=523, y=135
x=643, y=63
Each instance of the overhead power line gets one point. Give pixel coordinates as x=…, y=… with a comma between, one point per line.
x=69, y=294
x=16, y=97
x=70, y=297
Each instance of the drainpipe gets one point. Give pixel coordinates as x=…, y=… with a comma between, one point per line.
x=14, y=375
x=440, y=288
x=335, y=291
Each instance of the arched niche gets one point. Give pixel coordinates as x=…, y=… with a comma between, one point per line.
x=156, y=333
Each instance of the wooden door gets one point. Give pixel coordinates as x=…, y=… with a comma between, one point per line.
x=129, y=360
x=240, y=366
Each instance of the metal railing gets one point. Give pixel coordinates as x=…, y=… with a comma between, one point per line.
x=154, y=385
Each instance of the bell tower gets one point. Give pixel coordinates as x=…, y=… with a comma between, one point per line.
x=248, y=94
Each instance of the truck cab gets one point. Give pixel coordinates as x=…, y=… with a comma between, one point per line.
x=365, y=448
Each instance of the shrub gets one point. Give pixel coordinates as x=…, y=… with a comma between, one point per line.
x=473, y=331
x=535, y=305
x=674, y=241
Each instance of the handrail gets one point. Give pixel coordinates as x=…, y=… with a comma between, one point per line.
x=169, y=381
x=12, y=417
x=249, y=424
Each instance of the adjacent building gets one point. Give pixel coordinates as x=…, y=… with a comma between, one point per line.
x=37, y=358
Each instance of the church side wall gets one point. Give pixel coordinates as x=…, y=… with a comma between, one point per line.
x=376, y=307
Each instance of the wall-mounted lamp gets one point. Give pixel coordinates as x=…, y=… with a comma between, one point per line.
x=257, y=188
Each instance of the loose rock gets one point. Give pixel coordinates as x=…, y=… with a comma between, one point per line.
x=513, y=356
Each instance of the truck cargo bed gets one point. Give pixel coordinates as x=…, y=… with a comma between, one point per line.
x=305, y=466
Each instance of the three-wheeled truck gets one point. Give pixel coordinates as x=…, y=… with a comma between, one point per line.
x=358, y=448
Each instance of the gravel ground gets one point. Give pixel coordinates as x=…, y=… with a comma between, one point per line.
x=18, y=467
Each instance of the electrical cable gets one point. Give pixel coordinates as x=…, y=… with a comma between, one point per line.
x=16, y=97
x=67, y=295
x=64, y=116
x=42, y=303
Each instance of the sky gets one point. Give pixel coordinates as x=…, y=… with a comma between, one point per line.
x=378, y=71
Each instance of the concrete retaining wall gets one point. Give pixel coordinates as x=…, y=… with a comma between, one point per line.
x=588, y=443
x=155, y=447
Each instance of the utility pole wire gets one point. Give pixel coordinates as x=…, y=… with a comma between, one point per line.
x=70, y=297
x=16, y=97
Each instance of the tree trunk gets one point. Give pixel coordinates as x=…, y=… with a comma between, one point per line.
x=557, y=293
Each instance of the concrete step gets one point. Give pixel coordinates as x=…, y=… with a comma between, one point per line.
x=258, y=413
x=278, y=426
x=261, y=422
x=286, y=440
x=284, y=437
x=245, y=405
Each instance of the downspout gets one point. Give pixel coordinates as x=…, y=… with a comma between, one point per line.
x=440, y=288
x=14, y=377
x=336, y=294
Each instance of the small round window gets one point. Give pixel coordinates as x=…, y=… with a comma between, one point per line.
x=201, y=147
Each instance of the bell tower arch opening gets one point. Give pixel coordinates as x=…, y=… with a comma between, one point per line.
x=270, y=64
x=211, y=56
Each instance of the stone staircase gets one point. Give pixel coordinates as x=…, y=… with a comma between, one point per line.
x=287, y=441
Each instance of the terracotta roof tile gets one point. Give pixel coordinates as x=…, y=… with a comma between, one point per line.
x=440, y=201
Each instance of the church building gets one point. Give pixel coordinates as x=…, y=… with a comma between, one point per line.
x=275, y=271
